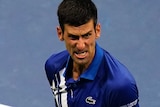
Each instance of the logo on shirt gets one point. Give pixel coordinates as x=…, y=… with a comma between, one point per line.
x=90, y=100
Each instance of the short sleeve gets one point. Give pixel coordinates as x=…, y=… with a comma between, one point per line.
x=125, y=95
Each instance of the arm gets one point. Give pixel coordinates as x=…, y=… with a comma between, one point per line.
x=125, y=96
x=54, y=68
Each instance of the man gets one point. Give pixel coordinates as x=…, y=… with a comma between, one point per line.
x=84, y=74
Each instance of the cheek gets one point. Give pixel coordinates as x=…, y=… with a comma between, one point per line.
x=69, y=45
x=92, y=42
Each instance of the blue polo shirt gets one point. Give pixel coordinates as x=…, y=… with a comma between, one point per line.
x=106, y=82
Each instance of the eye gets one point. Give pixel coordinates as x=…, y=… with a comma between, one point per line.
x=73, y=37
x=87, y=35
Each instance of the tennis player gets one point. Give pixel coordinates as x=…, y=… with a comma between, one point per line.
x=86, y=75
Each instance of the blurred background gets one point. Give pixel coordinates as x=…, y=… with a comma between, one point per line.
x=130, y=32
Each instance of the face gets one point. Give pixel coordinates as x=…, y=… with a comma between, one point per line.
x=80, y=41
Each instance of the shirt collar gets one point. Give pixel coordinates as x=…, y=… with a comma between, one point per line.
x=92, y=70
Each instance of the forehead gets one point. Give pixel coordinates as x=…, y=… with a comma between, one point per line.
x=82, y=29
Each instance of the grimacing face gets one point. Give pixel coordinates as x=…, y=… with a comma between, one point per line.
x=80, y=41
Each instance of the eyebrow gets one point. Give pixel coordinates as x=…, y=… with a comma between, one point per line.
x=70, y=34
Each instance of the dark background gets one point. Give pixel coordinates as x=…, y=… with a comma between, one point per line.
x=130, y=32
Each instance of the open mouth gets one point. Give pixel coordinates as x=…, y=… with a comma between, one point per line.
x=80, y=55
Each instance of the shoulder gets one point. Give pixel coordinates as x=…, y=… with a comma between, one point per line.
x=55, y=63
x=116, y=70
x=121, y=85
x=56, y=60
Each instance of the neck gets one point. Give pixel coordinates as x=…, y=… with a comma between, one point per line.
x=77, y=70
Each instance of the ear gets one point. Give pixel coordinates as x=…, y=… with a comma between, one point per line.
x=98, y=30
x=60, y=33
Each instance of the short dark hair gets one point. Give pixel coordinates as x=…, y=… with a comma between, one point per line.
x=76, y=12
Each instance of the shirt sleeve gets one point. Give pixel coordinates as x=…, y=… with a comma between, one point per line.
x=125, y=95
x=54, y=64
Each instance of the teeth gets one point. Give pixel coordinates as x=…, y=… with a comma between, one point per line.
x=80, y=54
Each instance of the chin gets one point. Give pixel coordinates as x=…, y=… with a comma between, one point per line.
x=81, y=61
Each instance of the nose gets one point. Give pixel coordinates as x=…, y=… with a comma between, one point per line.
x=80, y=44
